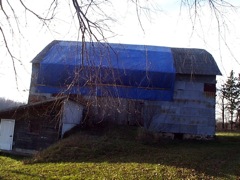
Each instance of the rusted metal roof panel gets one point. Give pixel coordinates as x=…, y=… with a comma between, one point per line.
x=194, y=61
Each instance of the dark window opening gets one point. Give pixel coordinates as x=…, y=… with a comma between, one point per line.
x=178, y=136
x=209, y=87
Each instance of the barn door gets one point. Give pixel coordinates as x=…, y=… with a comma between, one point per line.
x=6, y=133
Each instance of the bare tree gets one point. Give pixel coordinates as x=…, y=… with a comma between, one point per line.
x=221, y=105
x=219, y=10
x=93, y=21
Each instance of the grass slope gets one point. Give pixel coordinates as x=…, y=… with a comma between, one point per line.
x=127, y=153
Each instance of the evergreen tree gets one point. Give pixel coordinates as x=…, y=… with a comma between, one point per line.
x=231, y=92
x=222, y=105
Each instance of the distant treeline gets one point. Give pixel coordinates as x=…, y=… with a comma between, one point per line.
x=7, y=103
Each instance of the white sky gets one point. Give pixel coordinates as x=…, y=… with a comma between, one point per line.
x=164, y=25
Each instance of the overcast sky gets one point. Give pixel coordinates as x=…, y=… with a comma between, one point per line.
x=166, y=24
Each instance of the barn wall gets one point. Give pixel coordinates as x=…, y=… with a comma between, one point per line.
x=191, y=112
x=116, y=110
x=35, y=96
x=35, y=133
x=37, y=127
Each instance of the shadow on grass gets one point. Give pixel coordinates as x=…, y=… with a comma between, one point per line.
x=215, y=158
x=19, y=174
x=13, y=156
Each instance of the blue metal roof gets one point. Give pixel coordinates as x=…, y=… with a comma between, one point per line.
x=118, y=70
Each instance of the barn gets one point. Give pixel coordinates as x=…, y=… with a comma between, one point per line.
x=166, y=90
x=35, y=126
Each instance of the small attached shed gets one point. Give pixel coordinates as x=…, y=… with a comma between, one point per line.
x=168, y=90
x=37, y=125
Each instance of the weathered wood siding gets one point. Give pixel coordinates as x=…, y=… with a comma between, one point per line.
x=117, y=111
x=35, y=133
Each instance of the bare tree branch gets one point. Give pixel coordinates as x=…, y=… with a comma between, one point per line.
x=1, y=5
x=218, y=9
x=38, y=16
x=138, y=15
x=13, y=58
x=92, y=20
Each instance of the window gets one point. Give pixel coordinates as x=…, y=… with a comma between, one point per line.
x=209, y=87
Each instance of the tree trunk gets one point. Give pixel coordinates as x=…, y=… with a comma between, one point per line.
x=223, y=113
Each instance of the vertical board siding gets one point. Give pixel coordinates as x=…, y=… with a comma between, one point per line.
x=25, y=139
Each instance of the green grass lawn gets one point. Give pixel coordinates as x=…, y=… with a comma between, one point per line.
x=119, y=153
